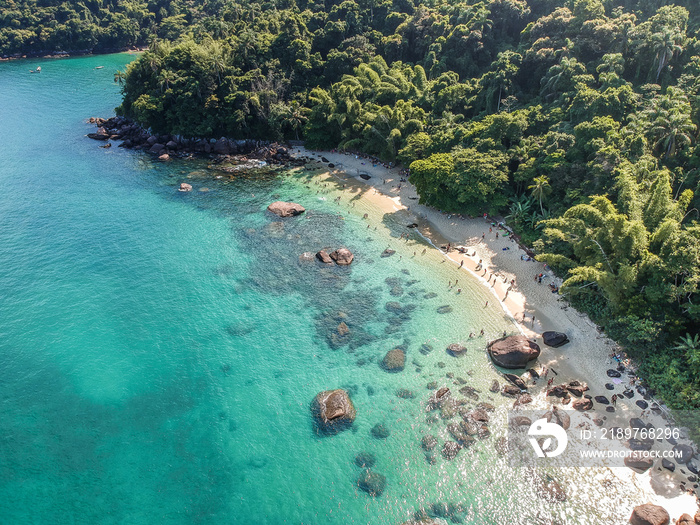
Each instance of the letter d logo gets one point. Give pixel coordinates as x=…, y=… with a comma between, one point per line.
x=542, y=428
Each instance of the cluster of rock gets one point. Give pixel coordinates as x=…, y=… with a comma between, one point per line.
x=341, y=257
x=573, y=388
x=439, y=513
x=514, y=351
x=371, y=482
x=136, y=137
x=472, y=425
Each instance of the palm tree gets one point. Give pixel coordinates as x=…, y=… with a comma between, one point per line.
x=540, y=189
x=294, y=118
x=673, y=129
x=480, y=20
x=218, y=58
x=559, y=76
x=120, y=77
x=690, y=346
x=165, y=78
x=666, y=44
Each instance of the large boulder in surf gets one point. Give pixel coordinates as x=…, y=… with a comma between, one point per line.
x=649, y=514
x=286, y=209
x=514, y=351
x=342, y=256
x=324, y=257
x=333, y=411
x=394, y=360
x=554, y=339
x=100, y=134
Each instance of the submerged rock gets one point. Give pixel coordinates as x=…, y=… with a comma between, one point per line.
x=380, y=431
x=388, y=252
x=429, y=442
x=365, y=460
x=404, y=393
x=372, y=483
x=185, y=187
x=450, y=450
x=445, y=309
x=394, y=360
x=456, y=350
x=425, y=349
x=393, y=307
x=333, y=411
x=343, y=329
x=514, y=351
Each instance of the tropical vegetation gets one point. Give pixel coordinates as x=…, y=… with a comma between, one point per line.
x=575, y=119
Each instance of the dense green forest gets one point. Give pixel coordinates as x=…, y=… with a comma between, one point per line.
x=575, y=119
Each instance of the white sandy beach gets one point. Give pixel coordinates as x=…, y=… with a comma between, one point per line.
x=533, y=306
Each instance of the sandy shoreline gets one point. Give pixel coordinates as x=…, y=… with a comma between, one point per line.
x=532, y=305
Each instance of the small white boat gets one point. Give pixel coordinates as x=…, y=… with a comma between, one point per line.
x=99, y=67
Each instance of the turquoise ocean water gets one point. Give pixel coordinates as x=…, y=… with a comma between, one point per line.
x=159, y=350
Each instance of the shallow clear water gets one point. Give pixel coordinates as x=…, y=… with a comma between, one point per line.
x=159, y=350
